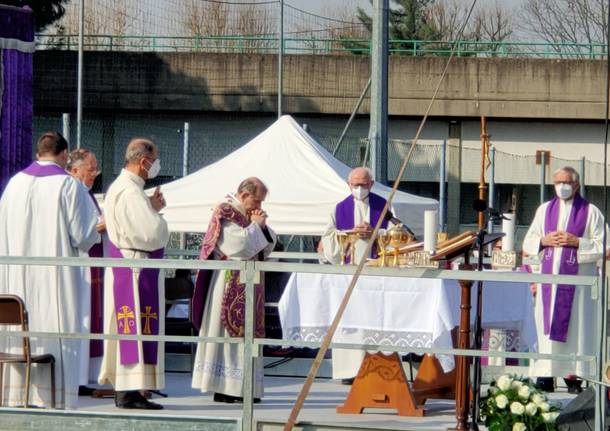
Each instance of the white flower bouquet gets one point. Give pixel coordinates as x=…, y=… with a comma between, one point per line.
x=515, y=404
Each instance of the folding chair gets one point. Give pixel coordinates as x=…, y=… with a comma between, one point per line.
x=13, y=312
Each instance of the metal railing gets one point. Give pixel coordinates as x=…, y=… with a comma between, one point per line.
x=249, y=272
x=264, y=44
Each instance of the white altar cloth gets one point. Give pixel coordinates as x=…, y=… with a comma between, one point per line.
x=409, y=312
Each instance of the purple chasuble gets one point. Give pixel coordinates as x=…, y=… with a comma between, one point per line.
x=564, y=294
x=124, y=304
x=344, y=214
x=37, y=170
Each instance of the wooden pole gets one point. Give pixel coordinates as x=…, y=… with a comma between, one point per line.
x=482, y=186
x=462, y=380
x=298, y=405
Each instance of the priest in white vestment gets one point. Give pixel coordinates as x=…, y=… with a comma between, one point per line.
x=237, y=231
x=82, y=165
x=46, y=212
x=358, y=212
x=134, y=300
x=566, y=235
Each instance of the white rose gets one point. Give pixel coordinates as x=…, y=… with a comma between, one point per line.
x=519, y=426
x=503, y=383
x=517, y=408
x=544, y=407
x=516, y=384
x=524, y=392
x=550, y=417
x=501, y=401
x=531, y=409
x=538, y=399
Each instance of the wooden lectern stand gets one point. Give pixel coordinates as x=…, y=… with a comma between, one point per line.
x=381, y=381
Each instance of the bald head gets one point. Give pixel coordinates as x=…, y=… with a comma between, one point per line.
x=140, y=156
x=360, y=177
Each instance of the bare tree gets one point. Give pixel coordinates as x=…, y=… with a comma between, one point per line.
x=566, y=22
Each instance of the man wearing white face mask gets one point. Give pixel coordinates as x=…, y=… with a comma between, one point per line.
x=566, y=236
x=134, y=299
x=82, y=165
x=358, y=212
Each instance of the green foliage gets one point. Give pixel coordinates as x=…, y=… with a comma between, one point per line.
x=515, y=404
x=45, y=11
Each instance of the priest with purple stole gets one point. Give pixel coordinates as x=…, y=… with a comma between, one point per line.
x=82, y=165
x=134, y=299
x=566, y=235
x=46, y=212
x=359, y=212
x=237, y=231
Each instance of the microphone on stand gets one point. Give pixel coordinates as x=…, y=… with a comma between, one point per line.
x=479, y=205
x=396, y=221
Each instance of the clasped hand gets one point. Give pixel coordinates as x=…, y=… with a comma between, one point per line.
x=559, y=239
x=259, y=217
x=364, y=230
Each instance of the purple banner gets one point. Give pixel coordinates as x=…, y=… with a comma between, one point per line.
x=16, y=86
x=125, y=310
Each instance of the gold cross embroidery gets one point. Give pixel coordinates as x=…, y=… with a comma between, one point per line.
x=125, y=314
x=147, y=315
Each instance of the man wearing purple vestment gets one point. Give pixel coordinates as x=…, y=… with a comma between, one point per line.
x=82, y=165
x=134, y=299
x=237, y=231
x=358, y=212
x=566, y=236
x=46, y=212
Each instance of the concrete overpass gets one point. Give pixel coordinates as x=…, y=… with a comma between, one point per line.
x=324, y=84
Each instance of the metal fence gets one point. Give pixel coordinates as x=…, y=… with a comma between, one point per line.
x=265, y=44
x=251, y=345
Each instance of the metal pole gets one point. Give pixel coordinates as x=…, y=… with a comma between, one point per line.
x=185, y=169
x=280, y=61
x=352, y=116
x=79, y=87
x=492, y=186
x=249, y=353
x=542, y=175
x=65, y=126
x=583, y=192
x=443, y=188
x=378, y=131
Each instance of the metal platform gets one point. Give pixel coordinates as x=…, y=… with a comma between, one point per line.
x=187, y=409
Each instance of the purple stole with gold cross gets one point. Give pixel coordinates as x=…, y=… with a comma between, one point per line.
x=557, y=329
x=124, y=303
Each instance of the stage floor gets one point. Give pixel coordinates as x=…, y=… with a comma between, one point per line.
x=280, y=394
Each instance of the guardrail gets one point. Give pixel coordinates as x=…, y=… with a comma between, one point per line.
x=267, y=44
x=249, y=270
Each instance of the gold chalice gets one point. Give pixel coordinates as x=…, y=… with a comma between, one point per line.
x=352, y=239
x=399, y=236
x=383, y=240
x=342, y=239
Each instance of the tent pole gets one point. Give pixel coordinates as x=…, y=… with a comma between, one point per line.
x=351, y=117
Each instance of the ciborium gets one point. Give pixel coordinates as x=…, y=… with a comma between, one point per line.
x=399, y=237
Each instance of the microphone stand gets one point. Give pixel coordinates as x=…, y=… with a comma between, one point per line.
x=482, y=240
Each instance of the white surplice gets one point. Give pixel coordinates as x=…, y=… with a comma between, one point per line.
x=582, y=336
x=135, y=228
x=220, y=367
x=346, y=363
x=47, y=216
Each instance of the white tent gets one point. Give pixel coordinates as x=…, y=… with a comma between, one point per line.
x=305, y=182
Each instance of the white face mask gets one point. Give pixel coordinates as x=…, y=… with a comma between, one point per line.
x=154, y=169
x=563, y=191
x=360, y=193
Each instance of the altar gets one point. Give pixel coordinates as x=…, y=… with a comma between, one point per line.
x=400, y=312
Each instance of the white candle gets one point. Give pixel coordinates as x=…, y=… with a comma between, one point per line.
x=430, y=227
x=508, y=229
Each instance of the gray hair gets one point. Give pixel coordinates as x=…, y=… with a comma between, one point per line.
x=368, y=171
x=253, y=186
x=569, y=170
x=139, y=148
x=76, y=157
